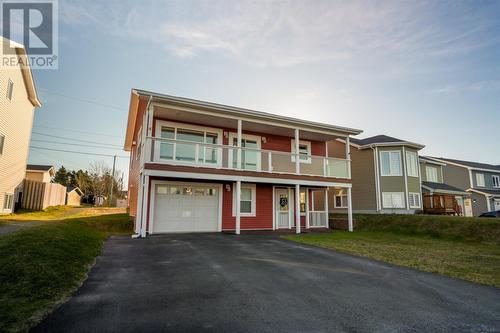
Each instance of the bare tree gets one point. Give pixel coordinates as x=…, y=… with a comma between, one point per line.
x=99, y=179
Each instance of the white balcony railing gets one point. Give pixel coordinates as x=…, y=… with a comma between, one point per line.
x=180, y=152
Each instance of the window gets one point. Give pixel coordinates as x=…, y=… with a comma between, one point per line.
x=304, y=151
x=10, y=89
x=302, y=202
x=340, y=199
x=412, y=164
x=187, y=143
x=414, y=200
x=2, y=140
x=496, y=180
x=393, y=200
x=247, y=200
x=480, y=179
x=8, y=201
x=390, y=163
x=431, y=174
x=250, y=158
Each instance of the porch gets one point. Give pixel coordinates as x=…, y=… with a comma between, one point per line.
x=441, y=204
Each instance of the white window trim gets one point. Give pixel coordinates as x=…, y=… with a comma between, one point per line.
x=408, y=163
x=493, y=177
x=427, y=168
x=258, y=139
x=301, y=142
x=335, y=201
x=253, y=191
x=483, y=183
x=392, y=204
x=391, y=174
x=176, y=125
x=419, y=199
x=11, y=205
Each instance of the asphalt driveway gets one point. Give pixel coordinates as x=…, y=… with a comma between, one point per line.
x=228, y=283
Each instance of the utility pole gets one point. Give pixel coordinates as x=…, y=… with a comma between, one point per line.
x=112, y=181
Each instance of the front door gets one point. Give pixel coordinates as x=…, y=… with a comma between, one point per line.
x=460, y=203
x=284, y=208
x=468, y=207
x=497, y=204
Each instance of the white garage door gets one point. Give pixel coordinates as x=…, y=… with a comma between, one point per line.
x=185, y=208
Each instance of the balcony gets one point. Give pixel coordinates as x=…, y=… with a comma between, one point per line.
x=200, y=154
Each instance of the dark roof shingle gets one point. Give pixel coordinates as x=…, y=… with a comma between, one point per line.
x=38, y=167
x=442, y=187
x=469, y=163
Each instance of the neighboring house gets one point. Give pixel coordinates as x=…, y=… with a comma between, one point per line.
x=40, y=173
x=438, y=197
x=18, y=99
x=481, y=180
x=73, y=196
x=197, y=167
x=385, y=176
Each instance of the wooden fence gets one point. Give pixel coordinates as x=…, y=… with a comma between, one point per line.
x=40, y=195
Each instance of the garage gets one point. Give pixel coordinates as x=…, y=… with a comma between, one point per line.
x=186, y=208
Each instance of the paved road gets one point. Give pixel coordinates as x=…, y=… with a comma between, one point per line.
x=228, y=283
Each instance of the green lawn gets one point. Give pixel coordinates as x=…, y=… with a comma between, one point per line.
x=468, y=249
x=41, y=266
x=59, y=212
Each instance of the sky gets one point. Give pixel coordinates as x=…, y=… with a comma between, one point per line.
x=423, y=71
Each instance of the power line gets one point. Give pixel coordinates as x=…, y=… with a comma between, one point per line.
x=76, y=131
x=80, y=99
x=76, y=152
x=79, y=140
x=72, y=144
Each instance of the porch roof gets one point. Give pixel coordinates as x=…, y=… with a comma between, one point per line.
x=442, y=188
x=262, y=121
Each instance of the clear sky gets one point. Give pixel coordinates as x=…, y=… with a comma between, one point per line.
x=424, y=71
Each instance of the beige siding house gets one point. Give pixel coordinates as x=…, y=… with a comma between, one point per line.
x=40, y=173
x=18, y=99
x=385, y=176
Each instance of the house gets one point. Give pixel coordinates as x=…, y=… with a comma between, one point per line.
x=481, y=180
x=438, y=197
x=73, y=196
x=385, y=176
x=200, y=167
x=40, y=173
x=18, y=100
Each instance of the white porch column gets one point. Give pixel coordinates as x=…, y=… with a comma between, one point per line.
x=238, y=207
x=238, y=144
x=145, y=206
x=297, y=160
x=138, y=212
x=349, y=209
x=348, y=156
x=290, y=211
x=307, y=209
x=297, y=208
x=327, y=209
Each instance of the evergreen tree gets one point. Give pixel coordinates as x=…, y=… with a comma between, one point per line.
x=61, y=176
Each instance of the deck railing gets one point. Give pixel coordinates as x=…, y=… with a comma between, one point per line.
x=198, y=154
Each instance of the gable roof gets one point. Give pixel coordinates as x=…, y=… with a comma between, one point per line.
x=137, y=94
x=73, y=188
x=493, y=193
x=443, y=188
x=29, y=82
x=38, y=167
x=468, y=164
x=383, y=140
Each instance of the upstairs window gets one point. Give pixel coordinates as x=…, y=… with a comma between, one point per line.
x=411, y=164
x=2, y=140
x=480, y=179
x=431, y=174
x=304, y=151
x=10, y=89
x=496, y=181
x=390, y=162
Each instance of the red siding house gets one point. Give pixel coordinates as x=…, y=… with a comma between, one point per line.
x=203, y=167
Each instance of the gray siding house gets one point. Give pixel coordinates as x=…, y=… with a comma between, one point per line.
x=385, y=176
x=481, y=180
